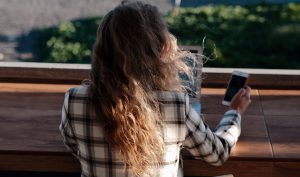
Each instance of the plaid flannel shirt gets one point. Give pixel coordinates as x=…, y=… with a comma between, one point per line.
x=181, y=127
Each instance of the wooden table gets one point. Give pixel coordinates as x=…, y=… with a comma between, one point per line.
x=269, y=144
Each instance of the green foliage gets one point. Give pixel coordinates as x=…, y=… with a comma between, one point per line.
x=69, y=42
x=254, y=36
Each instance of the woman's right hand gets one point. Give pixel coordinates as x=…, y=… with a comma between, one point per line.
x=241, y=100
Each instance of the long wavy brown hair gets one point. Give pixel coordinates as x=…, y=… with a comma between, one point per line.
x=134, y=55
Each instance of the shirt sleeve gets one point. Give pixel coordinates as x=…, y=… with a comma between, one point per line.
x=66, y=129
x=213, y=147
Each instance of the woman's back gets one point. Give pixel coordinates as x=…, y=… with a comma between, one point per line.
x=98, y=158
x=132, y=117
x=180, y=127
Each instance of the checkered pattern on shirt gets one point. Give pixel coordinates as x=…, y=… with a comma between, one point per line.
x=181, y=127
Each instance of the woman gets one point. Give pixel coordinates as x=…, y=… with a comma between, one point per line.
x=133, y=117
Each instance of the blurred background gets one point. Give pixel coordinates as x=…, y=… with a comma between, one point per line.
x=235, y=34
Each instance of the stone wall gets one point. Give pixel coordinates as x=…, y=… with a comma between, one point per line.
x=19, y=16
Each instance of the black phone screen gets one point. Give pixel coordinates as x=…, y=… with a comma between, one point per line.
x=235, y=84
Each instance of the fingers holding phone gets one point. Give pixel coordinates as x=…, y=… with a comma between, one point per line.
x=241, y=100
x=238, y=80
x=238, y=94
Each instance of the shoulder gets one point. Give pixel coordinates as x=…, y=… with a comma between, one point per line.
x=76, y=94
x=172, y=97
x=169, y=95
x=80, y=91
x=76, y=100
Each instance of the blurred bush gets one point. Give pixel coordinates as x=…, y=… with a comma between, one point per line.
x=69, y=42
x=253, y=36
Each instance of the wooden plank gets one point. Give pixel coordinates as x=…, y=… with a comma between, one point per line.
x=286, y=169
x=39, y=162
x=284, y=134
x=280, y=102
x=75, y=73
x=236, y=168
x=34, y=88
x=43, y=72
x=29, y=122
x=259, y=78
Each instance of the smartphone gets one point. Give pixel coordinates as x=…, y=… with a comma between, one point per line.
x=238, y=80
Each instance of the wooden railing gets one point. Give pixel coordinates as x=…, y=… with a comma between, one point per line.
x=75, y=73
x=31, y=96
